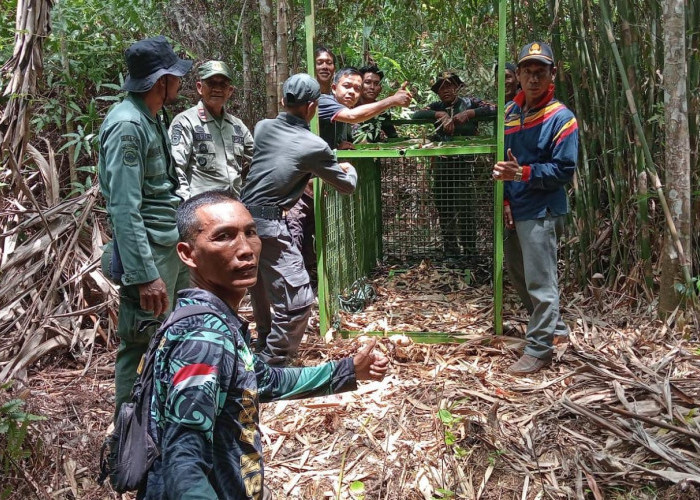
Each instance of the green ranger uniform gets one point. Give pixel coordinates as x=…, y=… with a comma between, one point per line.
x=138, y=181
x=209, y=154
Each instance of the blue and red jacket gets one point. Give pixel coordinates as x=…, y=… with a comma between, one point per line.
x=544, y=140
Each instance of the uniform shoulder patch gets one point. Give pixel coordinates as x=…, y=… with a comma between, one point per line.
x=130, y=156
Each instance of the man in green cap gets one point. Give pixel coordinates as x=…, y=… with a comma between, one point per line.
x=212, y=149
x=138, y=181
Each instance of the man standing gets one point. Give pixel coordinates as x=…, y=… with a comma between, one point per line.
x=379, y=128
x=338, y=111
x=454, y=186
x=212, y=149
x=138, y=181
x=286, y=155
x=208, y=383
x=541, y=140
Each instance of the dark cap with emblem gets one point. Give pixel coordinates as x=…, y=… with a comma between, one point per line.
x=148, y=60
x=300, y=89
x=536, y=51
x=212, y=68
x=446, y=76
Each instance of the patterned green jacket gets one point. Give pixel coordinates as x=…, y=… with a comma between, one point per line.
x=208, y=386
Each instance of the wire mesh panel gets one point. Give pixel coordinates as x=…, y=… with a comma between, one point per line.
x=405, y=209
x=351, y=243
x=437, y=207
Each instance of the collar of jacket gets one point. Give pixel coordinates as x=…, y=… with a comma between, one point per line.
x=293, y=120
x=212, y=300
x=519, y=98
x=141, y=106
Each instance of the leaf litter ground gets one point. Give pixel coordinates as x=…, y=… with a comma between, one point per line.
x=615, y=416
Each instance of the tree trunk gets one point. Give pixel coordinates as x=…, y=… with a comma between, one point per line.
x=246, y=53
x=677, y=152
x=282, y=44
x=269, y=57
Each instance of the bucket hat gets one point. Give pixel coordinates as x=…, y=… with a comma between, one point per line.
x=148, y=60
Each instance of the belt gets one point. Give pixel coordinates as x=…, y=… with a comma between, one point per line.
x=270, y=212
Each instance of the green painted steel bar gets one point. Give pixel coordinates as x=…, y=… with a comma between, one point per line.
x=417, y=337
x=414, y=152
x=498, y=191
x=323, y=309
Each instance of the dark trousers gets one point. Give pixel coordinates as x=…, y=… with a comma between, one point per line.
x=302, y=229
x=453, y=181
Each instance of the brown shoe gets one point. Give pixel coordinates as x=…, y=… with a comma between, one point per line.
x=528, y=364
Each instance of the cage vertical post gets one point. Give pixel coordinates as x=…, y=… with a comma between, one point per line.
x=323, y=311
x=498, y=188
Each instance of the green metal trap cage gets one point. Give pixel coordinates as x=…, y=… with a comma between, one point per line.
x=412, y=202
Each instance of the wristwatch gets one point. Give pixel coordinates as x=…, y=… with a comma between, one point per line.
x=518, y=176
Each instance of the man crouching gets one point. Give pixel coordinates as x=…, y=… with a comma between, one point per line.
x=208, y=382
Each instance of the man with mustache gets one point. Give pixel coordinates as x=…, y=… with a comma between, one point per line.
x=212, y=149
x=337, y=112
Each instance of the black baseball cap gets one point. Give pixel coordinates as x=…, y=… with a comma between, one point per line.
x=536, y=51
x=148, y=60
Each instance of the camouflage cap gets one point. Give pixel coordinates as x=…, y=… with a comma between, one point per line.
x=300, y=89
x=211, y=68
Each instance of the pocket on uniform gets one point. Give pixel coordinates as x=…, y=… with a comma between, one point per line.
x=206, y=162
x=297, y=288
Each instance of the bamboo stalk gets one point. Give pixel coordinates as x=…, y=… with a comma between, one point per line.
x=651, y=169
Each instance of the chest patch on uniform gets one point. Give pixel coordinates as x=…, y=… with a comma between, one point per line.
x=237, y=139
x=203, y=148
x=201, y=161
x=200, y=134
x=177, y=135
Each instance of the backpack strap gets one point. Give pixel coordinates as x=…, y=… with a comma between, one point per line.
x=145, y=375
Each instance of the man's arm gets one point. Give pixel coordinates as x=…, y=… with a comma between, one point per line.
x=123, y=149
x=321, y=162
x=364, y=112
x=328, y=378
x=181, y=147
x=477, y=109
x=247, y=151
x=558, y=172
